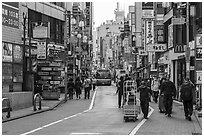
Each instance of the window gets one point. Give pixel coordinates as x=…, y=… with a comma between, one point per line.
x=6, y=72
x=17, y=73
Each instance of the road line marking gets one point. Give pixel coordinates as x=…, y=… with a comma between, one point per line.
x=90, y=107
x=85, y=133
x=134, y=131
x=32, y=131
x=93, y=98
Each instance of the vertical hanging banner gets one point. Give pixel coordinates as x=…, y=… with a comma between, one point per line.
x=170, y=36
x=41, y=49
x=149, y=32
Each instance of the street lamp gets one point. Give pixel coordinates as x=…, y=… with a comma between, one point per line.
x=73, y=22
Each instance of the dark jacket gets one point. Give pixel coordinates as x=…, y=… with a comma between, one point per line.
x=168, y=87
x=187, y=91
x=144, y=93
x=70, y=85
x=78, y=84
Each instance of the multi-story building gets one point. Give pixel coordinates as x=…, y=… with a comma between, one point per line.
x=20, y=18
x=177, y=17
x=107, y=34
x=24, y=25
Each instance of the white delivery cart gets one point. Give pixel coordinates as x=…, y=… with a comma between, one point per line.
x=130, y=107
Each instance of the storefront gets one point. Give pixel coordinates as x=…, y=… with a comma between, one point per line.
x=12, y=67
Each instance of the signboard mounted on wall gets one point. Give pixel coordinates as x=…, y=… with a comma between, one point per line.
x=41, y=49
x=10, y=14
x=41, y=30
x=156, y=47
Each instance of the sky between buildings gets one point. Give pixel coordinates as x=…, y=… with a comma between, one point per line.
x=104, y=10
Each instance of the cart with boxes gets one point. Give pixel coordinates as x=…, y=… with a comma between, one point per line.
x=130, y=107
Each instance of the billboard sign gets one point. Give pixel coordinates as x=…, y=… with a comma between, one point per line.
x=10, y=15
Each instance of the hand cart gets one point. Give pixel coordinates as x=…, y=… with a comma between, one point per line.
x=130, y=107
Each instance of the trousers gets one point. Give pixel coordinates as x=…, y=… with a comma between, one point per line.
x=168, y=100
x=119, y=100
x=87, y=92
x=188, y=107
x=145, y=107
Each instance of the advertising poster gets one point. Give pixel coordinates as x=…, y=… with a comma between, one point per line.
x=6, y=52
x=17, y=53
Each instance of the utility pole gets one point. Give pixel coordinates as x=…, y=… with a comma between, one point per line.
x=24, y=45
x=187, y=43
x=66, y=51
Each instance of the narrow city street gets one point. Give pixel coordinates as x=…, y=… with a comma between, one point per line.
x=104, y=119
x=54, y=54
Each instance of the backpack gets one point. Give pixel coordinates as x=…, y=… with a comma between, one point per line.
x=186, y=92
x=86, y=83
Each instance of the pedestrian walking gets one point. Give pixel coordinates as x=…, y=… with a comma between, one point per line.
x=87, y=88
x=120, y=91
x=168, y=89
x=145, y=94
x=155, y=89
x=70, y=88
x=187, y=89
x=90, y=83
x=94, y=83
x=78, y=87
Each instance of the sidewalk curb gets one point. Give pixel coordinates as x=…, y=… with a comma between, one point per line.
x=34, y=112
